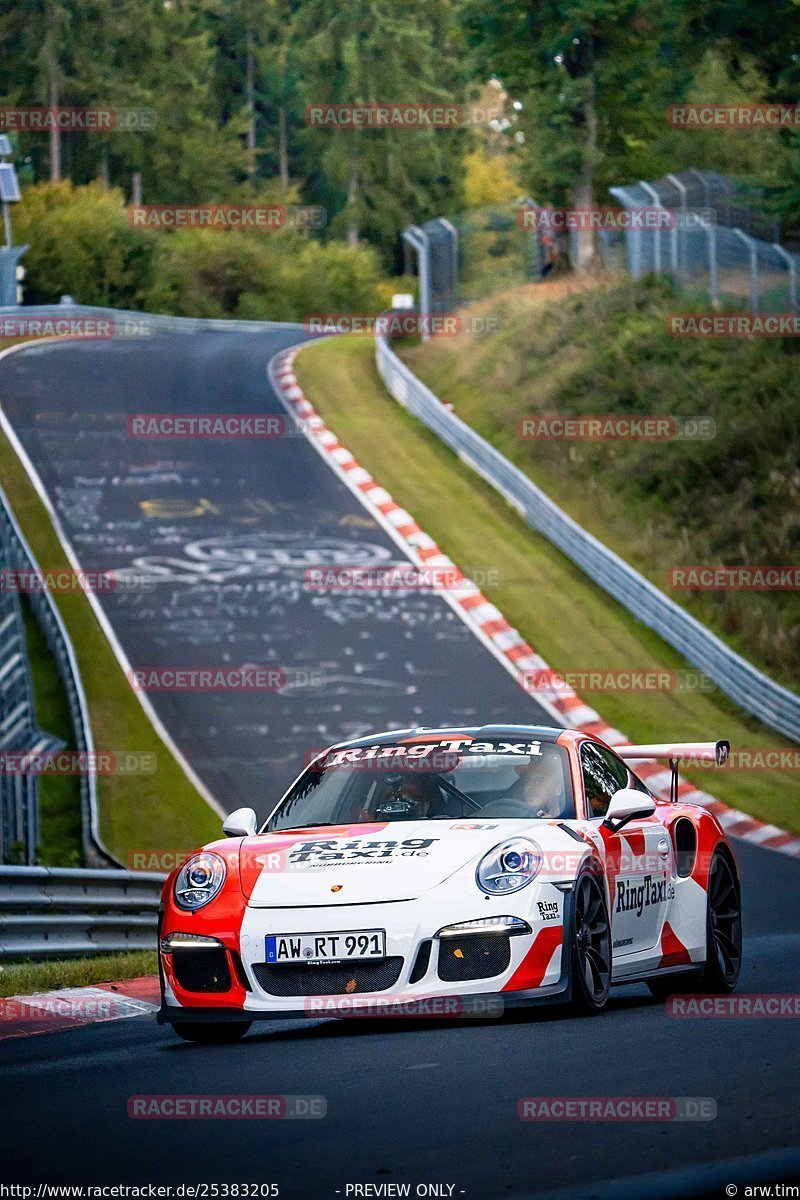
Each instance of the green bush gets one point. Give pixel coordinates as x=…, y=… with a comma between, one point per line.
x=82, y=244
x=261, y=276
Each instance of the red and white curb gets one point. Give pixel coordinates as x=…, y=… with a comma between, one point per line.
x=68, y=1008
x=489, y=624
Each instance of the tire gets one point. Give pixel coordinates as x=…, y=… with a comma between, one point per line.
x=590, y=944
x=216, y=1034
x=720, y=974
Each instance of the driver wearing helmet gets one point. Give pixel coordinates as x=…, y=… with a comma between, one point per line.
x=407, y=798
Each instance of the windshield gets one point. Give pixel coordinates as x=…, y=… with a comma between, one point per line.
x=350, y=788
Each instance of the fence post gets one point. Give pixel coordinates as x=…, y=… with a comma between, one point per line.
x=537, y=257
x=713, y=279
x=418, y=239
x=651, y=191
x=450, y=228
x=792, y=265
x=676, y=254
x=751, y=245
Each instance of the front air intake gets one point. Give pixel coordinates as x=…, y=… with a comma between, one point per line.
x=474, y=956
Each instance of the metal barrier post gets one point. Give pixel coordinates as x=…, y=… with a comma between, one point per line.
x=791, y=263
x=753, y=249
x=676, y=255
x=713, y=279
x=651, y=191
x=418, y=239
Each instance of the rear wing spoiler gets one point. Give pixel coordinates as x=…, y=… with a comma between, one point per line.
x=675, y=752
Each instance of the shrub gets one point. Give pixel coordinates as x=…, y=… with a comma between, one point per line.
x=81, y=244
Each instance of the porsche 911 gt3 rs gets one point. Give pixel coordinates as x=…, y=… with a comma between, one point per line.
x=452, y=871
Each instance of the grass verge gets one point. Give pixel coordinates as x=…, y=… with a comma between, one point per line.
x=570, y=621
x=162, y=811
x=729, y=497
x=22, y=979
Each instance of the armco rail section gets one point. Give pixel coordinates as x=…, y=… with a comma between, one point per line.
x=20, y=793
x=58, y=912
x=737, y=678
x=18, y=555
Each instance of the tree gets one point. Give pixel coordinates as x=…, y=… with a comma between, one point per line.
x=155, y=54
x=250, y=40
x=593, y=77
x=37, y=48
x=371, y=51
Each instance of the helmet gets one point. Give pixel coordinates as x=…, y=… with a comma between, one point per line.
x=406, y=798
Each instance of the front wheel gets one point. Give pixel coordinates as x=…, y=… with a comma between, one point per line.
x=212, y=1034
x=590, y=944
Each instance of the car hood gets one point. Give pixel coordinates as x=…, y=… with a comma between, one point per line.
x=363, y=864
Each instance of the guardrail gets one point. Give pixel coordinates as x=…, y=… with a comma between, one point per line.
x=753, y=691
x=128, y=323
x=47, y=616
x=59, y=912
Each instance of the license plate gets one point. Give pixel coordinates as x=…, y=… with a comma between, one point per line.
x=326, y=947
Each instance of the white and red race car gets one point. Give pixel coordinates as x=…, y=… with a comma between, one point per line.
x=452, y=871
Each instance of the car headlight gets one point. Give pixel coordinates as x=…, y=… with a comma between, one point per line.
x=508, y=867
x=199, y=880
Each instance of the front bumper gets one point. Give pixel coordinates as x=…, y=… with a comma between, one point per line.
x=366, y=1007
x=537, y=969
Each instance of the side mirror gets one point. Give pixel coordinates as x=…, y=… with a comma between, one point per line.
x=626, y=804
x=243, y=822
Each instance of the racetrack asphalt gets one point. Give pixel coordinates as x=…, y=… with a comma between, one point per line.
x=407, y=1101
x=220, y=532
x=424, y=1102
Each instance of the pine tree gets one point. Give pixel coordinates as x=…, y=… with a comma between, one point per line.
x=378, y=180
